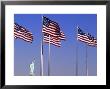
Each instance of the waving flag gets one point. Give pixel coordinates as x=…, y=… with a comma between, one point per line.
x=53, y=40
x=22, y=33
x=86, y=38
x=51, y=29
x=82, y=36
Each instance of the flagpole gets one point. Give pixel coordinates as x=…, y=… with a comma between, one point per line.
x=76, y=54
x=76, y=60
x=49, y=59
x=86, y=62
x=41, y=68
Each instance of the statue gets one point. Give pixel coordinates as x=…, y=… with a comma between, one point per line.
x=32, y=68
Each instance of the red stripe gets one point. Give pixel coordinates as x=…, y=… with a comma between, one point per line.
x=54, y=25
x=53, y=29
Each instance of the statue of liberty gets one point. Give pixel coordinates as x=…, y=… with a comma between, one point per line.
x=32, y=68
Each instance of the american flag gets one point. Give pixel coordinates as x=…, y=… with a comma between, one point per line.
x=51, y=29
x=86, y=38
x=53, y=40
x=22, y=33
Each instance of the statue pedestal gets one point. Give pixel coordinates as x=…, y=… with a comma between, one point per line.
x=32, y=74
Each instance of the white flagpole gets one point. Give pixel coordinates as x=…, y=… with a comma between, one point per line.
x=76, y=54
x=41, y=71
x=76, y=60
x=86, y=62
x=49, y=59
x=41, y=68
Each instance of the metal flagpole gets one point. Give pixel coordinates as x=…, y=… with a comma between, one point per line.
x=76, y=54
x=86, y=62
x=41, y=68
x=76, y=60
x=49, y=59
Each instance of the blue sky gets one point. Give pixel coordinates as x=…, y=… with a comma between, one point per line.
x=63, y=59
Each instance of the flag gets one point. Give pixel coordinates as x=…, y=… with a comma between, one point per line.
x=22, y=33
x=53, y=40
x=52, y=29
x=82, y=36
x=86, y=38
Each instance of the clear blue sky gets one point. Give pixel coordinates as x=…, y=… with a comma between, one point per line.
x=63, y=59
